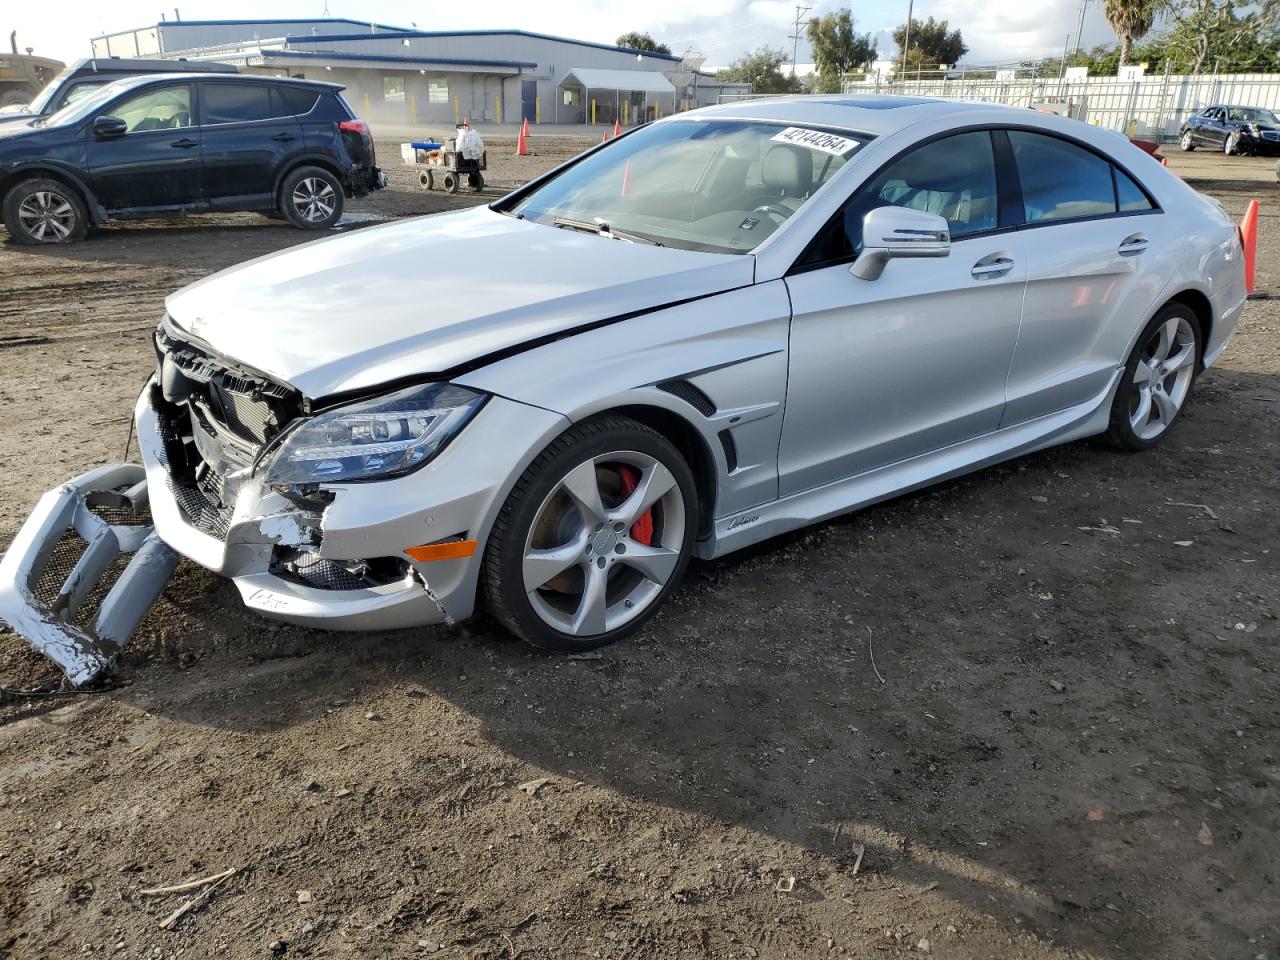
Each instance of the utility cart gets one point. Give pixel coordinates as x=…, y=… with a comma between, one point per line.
x=445, y=165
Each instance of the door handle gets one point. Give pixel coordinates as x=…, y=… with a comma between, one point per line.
x=1133, y=244
x=185, y=143
x=283, y=137
x=996, y=265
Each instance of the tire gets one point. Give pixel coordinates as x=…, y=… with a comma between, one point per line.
x=1231, y=144
x=426, y=180
x=450, y=182
x=545, y=530
x=1187, y=142
x=1157, y=379
x=475, y=181
x=311, y=198
x=41, y=211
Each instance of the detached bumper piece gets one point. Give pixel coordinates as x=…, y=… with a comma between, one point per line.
x=84, y=569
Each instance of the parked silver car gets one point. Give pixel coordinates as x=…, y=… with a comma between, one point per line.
x=719, y=327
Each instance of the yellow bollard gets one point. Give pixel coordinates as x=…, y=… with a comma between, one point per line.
x=457, y=112
x=366, y=104
x=537, y=109
x=413, y=107
x=593, y=110
x=497, y=108
x=626, y=112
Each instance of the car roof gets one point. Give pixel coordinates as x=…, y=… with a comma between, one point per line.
x=145, y=79
x=875, y=114
x=103, y=65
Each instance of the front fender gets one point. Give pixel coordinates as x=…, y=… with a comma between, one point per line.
x=27, y=168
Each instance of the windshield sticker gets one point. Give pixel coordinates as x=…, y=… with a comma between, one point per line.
x=817, y=140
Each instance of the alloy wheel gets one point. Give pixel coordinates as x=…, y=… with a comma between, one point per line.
x=47, y=216
x=604, y=543
x=1187, y=142
x=314, y=200
x=1166, y=366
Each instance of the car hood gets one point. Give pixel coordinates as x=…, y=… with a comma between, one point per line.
x=426, y=295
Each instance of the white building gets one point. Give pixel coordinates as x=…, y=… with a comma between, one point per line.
x=413, y=77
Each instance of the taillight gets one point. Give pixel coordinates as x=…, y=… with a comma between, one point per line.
x=353, y=126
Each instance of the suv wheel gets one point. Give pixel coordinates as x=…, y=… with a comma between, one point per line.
x=45, y=211
x=311, y=197
x=593, y=538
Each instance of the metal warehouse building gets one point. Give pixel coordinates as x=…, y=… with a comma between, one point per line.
x=411, y=77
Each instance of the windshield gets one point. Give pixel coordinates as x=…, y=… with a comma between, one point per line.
x=1251, y=115
x=715, y=185
x=81, y=108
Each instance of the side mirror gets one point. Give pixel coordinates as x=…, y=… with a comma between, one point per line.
x=109, y=128
x=889, y=233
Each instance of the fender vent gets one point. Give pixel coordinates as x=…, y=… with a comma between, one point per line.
x=730, y=450
x=690, y=394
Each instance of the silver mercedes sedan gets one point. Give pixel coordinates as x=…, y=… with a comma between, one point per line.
x=716, y=328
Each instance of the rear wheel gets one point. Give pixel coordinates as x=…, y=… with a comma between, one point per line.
x=311, y=197
x=45, y=211
x=1157, y=380
x=593, y=538
x=475, y=181
x=450, y=182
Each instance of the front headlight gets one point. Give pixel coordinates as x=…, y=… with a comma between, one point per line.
x=384, y=437
x=1254, y=129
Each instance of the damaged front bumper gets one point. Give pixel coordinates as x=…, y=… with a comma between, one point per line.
x=52, y=588
x=339, y=563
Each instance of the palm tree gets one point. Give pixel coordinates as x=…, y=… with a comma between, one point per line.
x=1130, y=20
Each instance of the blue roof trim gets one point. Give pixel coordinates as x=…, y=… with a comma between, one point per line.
x=437, y=61
x=485, y=33
x=227, y=23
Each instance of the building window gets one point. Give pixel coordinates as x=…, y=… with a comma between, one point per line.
x=572, y=96
x=437, y=90
x=393, y=89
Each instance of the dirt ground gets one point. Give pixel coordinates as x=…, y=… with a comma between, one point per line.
x=1066, y=744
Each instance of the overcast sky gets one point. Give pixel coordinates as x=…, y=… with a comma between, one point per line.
x=995, y=30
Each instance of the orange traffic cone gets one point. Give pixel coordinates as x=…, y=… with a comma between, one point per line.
x=522, y=142
x=617, y=128
x=1249, y=238
x=604, y=136
x=524, y=127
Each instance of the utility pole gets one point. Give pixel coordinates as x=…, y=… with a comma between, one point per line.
x=1084, y=5
x=795, y=37
x=906, y=41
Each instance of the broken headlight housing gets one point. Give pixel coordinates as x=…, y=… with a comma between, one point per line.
x=387, y=436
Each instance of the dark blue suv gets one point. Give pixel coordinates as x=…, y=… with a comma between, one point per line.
x=190, y=142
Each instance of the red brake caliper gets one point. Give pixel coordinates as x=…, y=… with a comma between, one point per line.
x=642, y=532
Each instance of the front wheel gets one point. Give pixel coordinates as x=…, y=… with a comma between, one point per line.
x=1188, y=142
x=311, y=197
x=1231, y=145
x=45, y=211
x=593, y=537
x=1157, y=379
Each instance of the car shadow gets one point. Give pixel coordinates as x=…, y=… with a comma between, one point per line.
x=1012, y=687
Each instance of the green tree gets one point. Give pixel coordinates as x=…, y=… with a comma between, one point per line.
x=635, y=40
x=763, y=70
x=1206, y=31
x=837, y=48
x=1129, y=20
x=934, y=39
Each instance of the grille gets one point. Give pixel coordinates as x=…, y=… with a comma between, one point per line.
x=122, y=516
x=325, y=574
x=202, y=510
x=62, y=559
x=690, y=394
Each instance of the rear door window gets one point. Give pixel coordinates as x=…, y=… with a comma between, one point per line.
x=299, y=100
x=239, y=103
x=1060, y=180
